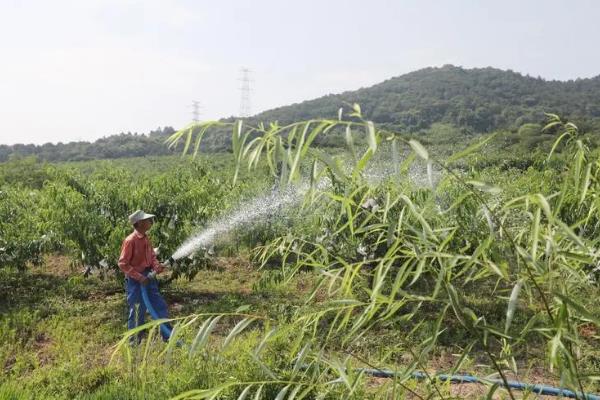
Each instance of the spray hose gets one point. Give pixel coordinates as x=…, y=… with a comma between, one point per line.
x=382, y=373
x=164, y=328
x=529, y=387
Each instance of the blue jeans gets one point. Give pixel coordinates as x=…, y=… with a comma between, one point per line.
x=137, y=308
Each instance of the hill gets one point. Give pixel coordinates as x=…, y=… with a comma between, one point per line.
x=110, y=147
x=472, y=101
x=479, y=100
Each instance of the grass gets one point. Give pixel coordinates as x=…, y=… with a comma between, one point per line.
x=462, y=277
x=58, y=331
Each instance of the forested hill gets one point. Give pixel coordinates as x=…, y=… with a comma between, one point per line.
x=474, y=100
x=114, y=146
x=479, y=100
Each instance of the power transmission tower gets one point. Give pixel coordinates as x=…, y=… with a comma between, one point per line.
x=245, y=105
x=196, y=106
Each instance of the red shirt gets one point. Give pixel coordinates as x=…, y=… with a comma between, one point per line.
x=137, y=254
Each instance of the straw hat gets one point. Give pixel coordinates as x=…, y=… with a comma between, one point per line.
x=139, y=215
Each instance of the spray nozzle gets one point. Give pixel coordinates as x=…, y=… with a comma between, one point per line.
x=170, y=262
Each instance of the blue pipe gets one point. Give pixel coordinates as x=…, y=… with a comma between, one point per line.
x=163, y=327
x=533, y=388
x=382, y=373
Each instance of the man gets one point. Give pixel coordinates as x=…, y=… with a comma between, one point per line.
x=137, y=260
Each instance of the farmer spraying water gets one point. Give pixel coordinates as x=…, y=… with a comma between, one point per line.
x=139, y=264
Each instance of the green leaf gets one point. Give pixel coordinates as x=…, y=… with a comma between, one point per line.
x=264, y=341
x=300, y=358
x=244, y=393
x=535, y=233
x=203, y=334
x=490, y=394
x=258, y=394
x=550, y=125
x=201, y=393
x=332, y=164
x=566, y=229
x=341, y=371
x=512, y=304
x=471, y=149
x=418, y=271
x=190, y=133
x=578, y=307
x=295, y=392
x=586, y=183
x=555, y=345
x=362, y=163
x=237, y=329
x=321, y=127
x=571, y=126
x=296, y=159
x=540, y=200
x=456, y=306
x=203, y=128
x=371, y=136
x=556, y=143
x=314, y=174
x=495, y=269
x=419, y=149
x=484, y=187
x=282, y=393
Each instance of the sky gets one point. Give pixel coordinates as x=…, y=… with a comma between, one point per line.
x=81, y=70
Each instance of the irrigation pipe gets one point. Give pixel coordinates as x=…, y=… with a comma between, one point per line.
x=533, y=388
x=382, y=373
x=163, y=327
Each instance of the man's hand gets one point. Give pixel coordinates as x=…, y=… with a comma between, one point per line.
x=144, y=281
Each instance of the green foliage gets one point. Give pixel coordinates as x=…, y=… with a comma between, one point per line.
x=24, y=236
x=434, y=254
x=25, y=172
x=85, y=215
x=399, y=253
x=115, y=146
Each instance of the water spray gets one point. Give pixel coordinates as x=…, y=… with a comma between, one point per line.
x=251, y=210
x=258, y=207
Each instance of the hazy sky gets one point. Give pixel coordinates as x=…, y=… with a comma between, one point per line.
x=90, y=68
